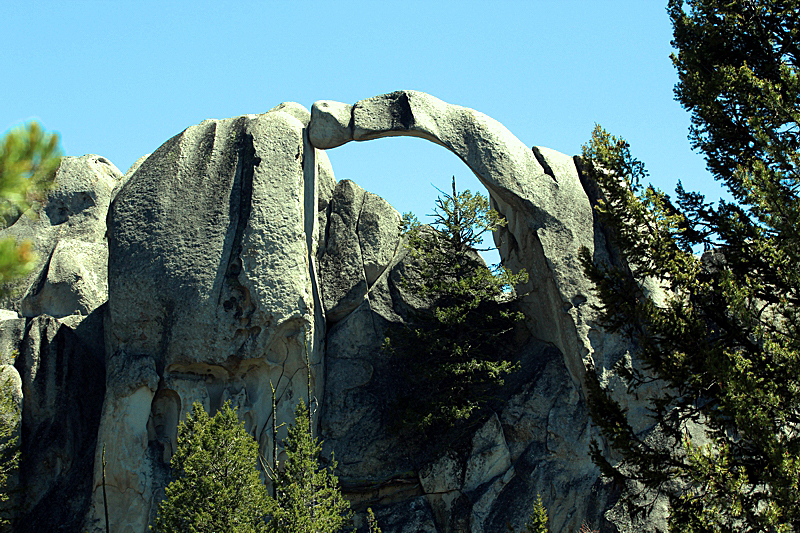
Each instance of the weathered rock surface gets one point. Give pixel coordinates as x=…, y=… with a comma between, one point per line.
x=539, y=192
x=212, y=291
x=362, y=238
x=69, y=238
x=75, y=283
x=62, y=385
x=233, y=255
x=60, y=361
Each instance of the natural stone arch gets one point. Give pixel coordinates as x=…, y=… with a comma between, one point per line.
x=538, y=191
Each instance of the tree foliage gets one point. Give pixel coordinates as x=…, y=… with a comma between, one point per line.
x=307, y=496
x=725, y=339
x=372, y=522
x=29, y=158
x=453, y=349
x=537, y=523
x=9, y=447
x=217, y=487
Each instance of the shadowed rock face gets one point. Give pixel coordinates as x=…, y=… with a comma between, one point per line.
x=56, y=347
x=237, y=262
x=63, y=382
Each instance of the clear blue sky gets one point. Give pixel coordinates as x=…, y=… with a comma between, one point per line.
x=118, y=78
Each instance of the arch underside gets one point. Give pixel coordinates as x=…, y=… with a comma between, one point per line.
x=538, y=191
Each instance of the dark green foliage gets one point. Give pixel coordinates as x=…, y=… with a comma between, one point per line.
x=455, y=350
x=29, y=158
x=737, y=63
x=726, y=340
x=307, y=496
x=9, y=446
x=217, y=488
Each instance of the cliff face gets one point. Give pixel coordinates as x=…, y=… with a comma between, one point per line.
x=231, y=252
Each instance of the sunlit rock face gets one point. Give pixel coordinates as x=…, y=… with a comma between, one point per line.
x=68, y=236
x=230, y=261
x=213, y=293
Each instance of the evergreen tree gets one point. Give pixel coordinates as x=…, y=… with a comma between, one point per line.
x=217, y=488
x=726, y=341
x=29, y=158
x=454, y=350
x=537, y=523
x=307, y=496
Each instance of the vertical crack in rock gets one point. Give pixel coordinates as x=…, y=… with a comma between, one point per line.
x=239, y=206
x=244, y=176
x=310, y=221
x=240, y=301
x=352, y=125
x=323, y=246
x=357, y=231
x=309, y=164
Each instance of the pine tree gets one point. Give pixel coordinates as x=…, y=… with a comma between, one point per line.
x=537, y=523
x=29, y=158
x=725, y=342
x=307, y=496
x=217, y=487
x=455, y=349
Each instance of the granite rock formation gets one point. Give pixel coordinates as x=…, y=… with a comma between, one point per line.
x=52, y=334
x=235, y=261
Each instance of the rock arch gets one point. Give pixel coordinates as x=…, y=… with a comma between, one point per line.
x=538, y=190
x=217, y=269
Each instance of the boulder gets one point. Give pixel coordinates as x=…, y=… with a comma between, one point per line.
x=362, y=238
x=489, y=457
x=344, y=284
x=75, y=281
x=378, y=235
x=207, y=244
